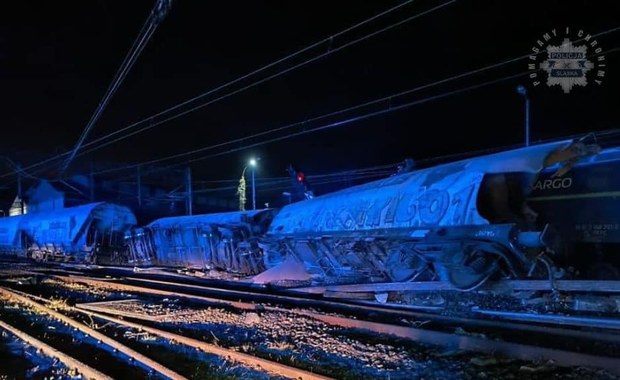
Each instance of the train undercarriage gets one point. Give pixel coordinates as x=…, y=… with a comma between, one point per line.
x=464, y=256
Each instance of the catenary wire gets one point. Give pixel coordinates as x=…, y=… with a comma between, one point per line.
x=381, y=99
x=136, y=49
x=254, y=84
x=416, y=89
x=365, y=104
x=150, y=118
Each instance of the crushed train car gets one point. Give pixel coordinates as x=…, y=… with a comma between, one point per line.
x=89, y=233
x=460, y=222
x=226, y=241
x=502, y=215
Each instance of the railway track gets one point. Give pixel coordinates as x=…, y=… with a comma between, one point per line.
x=361, y=309
x=353, y=299
x=70, y=366
x=77, y=320
x=374, y=291
x=508, y=336
x=450, y=333
x=63, y=337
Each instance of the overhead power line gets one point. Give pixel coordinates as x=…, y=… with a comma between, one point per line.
x=353, y=119
x=419, y=88
x=275, y=183
x=155, y=17
x=303, y=132
x=330, y=39
x=376, y=101
x=332, y=50
x=284, y=186
x=333, y=124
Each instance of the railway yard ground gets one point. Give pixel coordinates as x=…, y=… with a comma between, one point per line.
x=73, y=322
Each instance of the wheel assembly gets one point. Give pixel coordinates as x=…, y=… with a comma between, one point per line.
x=404, y=264
x=471, y=267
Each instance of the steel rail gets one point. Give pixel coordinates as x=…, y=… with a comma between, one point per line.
x=508, y=285
x=420, y=316
x=601, y=323
x=249, y=360
x=70, y=362
x=95, y=334
x=266, y=365
x=457, y=341
x=472, y=343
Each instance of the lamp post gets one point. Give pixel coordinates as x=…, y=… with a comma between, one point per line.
x=252, y=163
x=523, y=91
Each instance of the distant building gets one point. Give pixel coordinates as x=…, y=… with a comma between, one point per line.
x=19, y=207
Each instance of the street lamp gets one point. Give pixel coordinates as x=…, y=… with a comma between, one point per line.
x=253, y=162
x=523, y=91
x=241, y=189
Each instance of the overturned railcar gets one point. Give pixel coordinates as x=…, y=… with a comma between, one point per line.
x=89, y=233
x=225, y=241
x=460, y=222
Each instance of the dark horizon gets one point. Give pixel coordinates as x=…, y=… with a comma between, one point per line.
x=57, y=62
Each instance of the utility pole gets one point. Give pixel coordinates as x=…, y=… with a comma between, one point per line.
x=139, y=180
x=253, y=188
x=527, y=121
x=188, y=190
x=92, y=182
x=253, y=163
x=19, y=190
x=523, y=91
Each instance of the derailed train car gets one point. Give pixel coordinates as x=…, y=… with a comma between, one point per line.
x=461, y=222
x=226, y=241
x=514, y=214
x=89, y=233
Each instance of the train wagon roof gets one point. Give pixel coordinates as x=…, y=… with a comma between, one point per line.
x=218, y=218
x=62, y=212
x=527, y=159
x=440, y=195
x=72, y=219
x=605, y=155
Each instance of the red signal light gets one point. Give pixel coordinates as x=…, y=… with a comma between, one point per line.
x=300, y=177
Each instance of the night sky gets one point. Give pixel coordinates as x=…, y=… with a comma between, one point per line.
x=58, y=58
